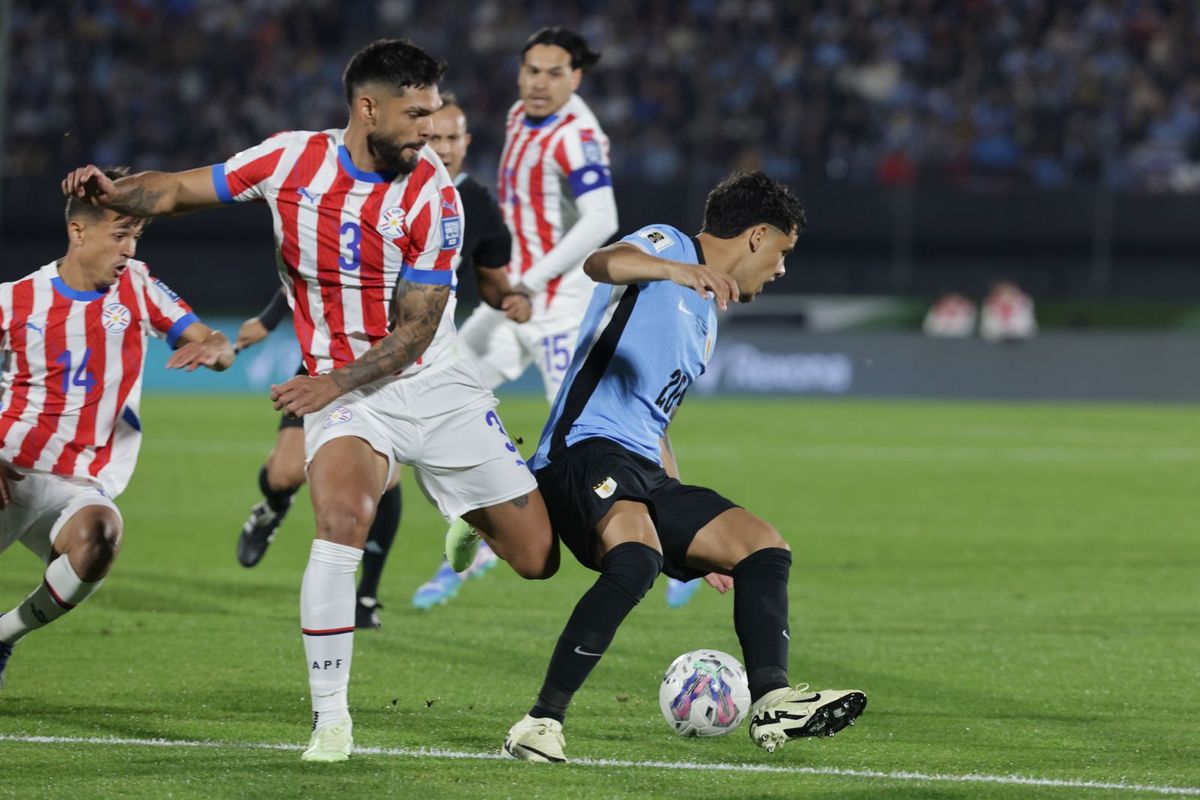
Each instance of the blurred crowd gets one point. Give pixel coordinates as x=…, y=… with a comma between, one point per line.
x=982, y=94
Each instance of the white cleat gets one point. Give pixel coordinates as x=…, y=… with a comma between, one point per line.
x=535, y=739
x=783, y=714
x=330, y=743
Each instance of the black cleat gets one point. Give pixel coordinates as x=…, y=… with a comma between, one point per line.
x=366, y=613
x=259, y=532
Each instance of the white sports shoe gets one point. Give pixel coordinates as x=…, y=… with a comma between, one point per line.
x=330, y=743
x=783, y=714
x=535, y=739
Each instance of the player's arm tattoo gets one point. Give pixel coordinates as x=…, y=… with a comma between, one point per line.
x=419, y=308
x=520, y=502
x=136, y=201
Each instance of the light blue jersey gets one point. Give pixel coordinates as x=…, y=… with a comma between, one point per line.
x=640, y=347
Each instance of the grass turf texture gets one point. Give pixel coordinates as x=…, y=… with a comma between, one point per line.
x=1013, y=586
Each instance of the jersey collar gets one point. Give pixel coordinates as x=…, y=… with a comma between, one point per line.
x=361, y=174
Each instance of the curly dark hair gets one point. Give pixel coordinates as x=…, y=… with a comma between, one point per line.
x=745, y=199
x=397, y=62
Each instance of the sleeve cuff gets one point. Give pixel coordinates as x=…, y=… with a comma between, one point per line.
x=221, y=183
x=179, y=327
x=433, y=277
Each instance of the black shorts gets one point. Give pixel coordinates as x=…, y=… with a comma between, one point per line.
x=585, y=479
x=286, y=420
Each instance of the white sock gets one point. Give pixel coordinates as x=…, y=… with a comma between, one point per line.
x=60, y=591
x=327, y=622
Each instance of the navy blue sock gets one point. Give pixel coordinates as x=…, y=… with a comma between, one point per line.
x=627, y=573
x=760, y=616
x=279, y=500
x=379, y=541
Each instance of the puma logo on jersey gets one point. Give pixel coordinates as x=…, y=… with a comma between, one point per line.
x=312, y=198
x=31, y=326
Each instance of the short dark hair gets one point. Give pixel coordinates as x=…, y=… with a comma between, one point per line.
x=582, y=57
x=746, y=199
x=397, y=62
x=77, y=208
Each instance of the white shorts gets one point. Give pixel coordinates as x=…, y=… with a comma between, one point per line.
x=41, y=505
x=505, y=348
x=443, y=423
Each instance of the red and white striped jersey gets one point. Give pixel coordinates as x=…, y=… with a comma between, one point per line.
x=345, y=236
x=544, y=168
x=72, y=381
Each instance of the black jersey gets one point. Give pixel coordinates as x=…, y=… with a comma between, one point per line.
x=487, y=242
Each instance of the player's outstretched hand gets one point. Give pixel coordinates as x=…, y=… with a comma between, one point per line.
x=90, y=184
x=252, y=332
x=305, y=394
x=517, y=307
x=704, y=279
x=722, y=583
x=7, y=474
x=213, y=351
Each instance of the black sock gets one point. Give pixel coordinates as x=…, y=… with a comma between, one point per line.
x=278, y=499
x=379, y=541
x=627, y=573
x=760, y=616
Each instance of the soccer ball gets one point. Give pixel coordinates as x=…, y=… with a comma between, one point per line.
x=704, y=693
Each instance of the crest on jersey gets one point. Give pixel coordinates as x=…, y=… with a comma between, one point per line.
x=593, y=153
x=168, y=290
x=115, y=317
x=336, y=416
x=658, y=239
x=605, y=488
x=391, y=222
x=451, y=233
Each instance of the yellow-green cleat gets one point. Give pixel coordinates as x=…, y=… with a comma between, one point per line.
x=330, y=743
x=462, y=541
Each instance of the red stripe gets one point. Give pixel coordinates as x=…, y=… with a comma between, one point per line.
x=85, y=431
x=56, y=597
x=325, y=631
x=372, y=276
x=254, y=172
x=445, y=259
x=514, y=205
x=418, y=233
x=416, y=182
x=287, y=203
x=510, y=142
x=55, y=342
x=132, y=344
x=537, y=198
x=560, y=156
x=329, y=273
x=551, y=289
x=22, y=304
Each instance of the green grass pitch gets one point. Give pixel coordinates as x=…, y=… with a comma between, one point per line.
x=1014, y=586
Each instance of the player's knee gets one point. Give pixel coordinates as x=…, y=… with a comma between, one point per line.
x=99, y=540
x=346, y=519
x=631, y=568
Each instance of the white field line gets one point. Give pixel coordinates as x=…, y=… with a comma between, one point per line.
x=951, y=453
x=423, y=752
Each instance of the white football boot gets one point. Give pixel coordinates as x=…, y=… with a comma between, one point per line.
x=783, y=714
x=535, y=739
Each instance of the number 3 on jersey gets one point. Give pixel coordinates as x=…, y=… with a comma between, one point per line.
x=351, y=239
x=672, y=393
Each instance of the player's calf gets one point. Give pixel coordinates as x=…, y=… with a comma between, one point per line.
x=87, y=545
